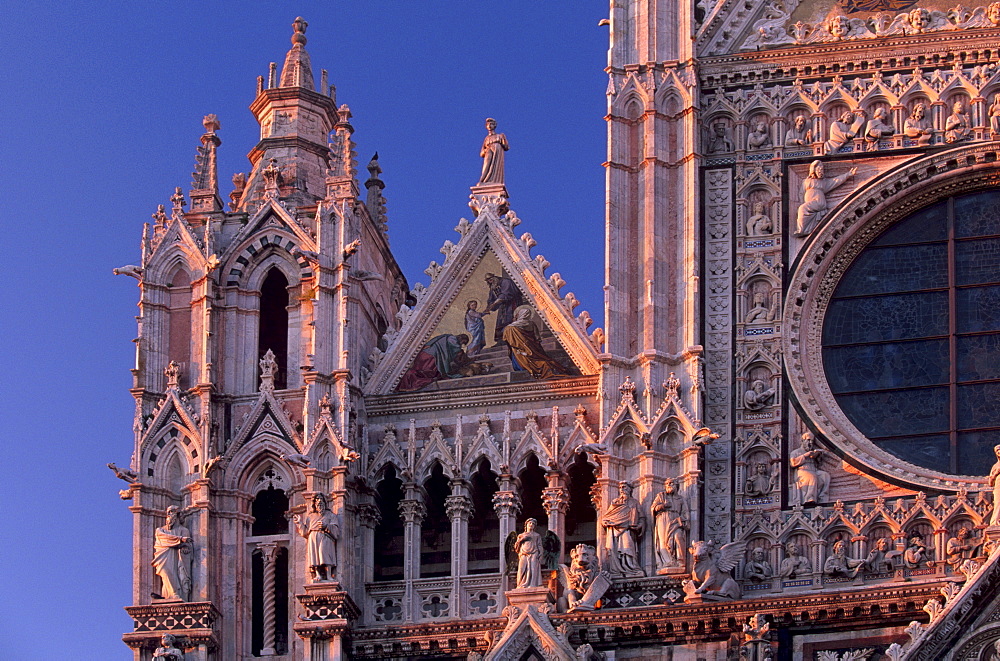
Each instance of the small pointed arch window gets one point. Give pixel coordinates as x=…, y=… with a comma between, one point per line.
x=533, y=482
x=435, y=534
x=484, y=525
x=272, y=332
x=179, y=320
x=389, y=533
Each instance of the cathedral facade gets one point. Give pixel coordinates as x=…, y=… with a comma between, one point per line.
x=779, y=445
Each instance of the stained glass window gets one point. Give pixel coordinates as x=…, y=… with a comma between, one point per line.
x=911, y=339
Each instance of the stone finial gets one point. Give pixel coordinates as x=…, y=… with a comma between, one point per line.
x=325, y=404
x=177, y=199
x=173, y=374
x=299, y=26
x=272, y=176
x=627, y=388
x=268, y=366
x=211, y=123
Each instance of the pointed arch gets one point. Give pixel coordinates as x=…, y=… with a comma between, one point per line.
x=389, y=531
x=435, y=533
x=484, y=524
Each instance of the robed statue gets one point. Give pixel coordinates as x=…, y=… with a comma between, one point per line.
x=529, y=553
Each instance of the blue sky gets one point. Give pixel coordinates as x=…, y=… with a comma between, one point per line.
x=102, y=112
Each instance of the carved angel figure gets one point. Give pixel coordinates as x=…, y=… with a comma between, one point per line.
x=528, y=553
x=711, y=576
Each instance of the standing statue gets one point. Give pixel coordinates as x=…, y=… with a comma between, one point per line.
x=814, y=190
x=995, y=484
x=844, y=129
x=172, y=557
x=758, y=568
x=320, y=529
x=916, y=126
x=957, y=127
x=494, y=145
x=528, y=547
x=623, y=524
x=798, y=134
x=761, y=482
x=840, y=564
x=795, y=565
x=166, y=651
x=670, y=526
x=810, y=482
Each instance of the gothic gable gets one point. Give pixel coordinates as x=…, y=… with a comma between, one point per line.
x=487, y=279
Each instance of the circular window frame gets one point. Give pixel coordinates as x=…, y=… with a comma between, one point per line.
x=822, y=262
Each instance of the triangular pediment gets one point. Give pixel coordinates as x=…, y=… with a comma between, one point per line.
x=172, y=412
x=267, y=418
x=271, y=216
x=487, y=283
x=531, y=629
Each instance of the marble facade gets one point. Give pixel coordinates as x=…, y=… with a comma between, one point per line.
x=331, y=464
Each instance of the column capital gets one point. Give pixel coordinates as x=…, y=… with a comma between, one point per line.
x=458, y=507
x=506, y=503
x=268, y=550
x=413, y=511
x=555, y=499
x=369, y=515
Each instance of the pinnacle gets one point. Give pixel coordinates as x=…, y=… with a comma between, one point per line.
x=297, y=70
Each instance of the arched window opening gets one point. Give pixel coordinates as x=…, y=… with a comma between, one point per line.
x=279, y=645
x=484, y=525
x=179, y=323
x=533, y=481
x=268, y=510
x=435, y=534
x=581, y=518
x=626, y=443
x=389, y=536
x=174, y=473
x=273, y=331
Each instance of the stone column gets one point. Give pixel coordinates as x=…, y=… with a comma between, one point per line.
x=555, y=500
x=506, y=503
x=459, y=507
x=269, y=553
x=369, y=517
x=413, y=511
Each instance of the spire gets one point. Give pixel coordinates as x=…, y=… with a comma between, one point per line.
x=375, y=202
x=297, y=71
x=205, y=178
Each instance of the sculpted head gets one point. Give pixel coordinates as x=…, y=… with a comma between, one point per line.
x=583, y=556
x=318, y=502
x=625, y=490
x=919, y=18
x=882, y=544
x=918, y=111
x=758, y=208
x=173, y=515
x=996, y=451
x=838, y=26
x=958, y=107
x=847, y=117
x=168, y=640
x=816, y=170
x=807, y=441
x=669, y=485
x=529, y=525
x=762, y=469
x=491, y=124
x=792, y=549
x=757, y=555
x=880, y=113
x=800, y=122
x=963, y=532
x=993, y=13
x=840, y=548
